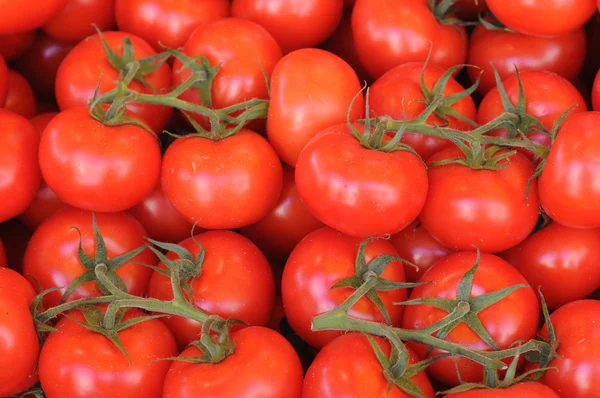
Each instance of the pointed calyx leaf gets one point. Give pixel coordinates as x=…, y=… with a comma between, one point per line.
x=443, y=10
x=544, y=357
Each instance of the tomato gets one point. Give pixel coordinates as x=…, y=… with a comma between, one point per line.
x=3, y=81
x=388, y=33
x=596, y=92
x=120, y=165
x=400, y=88
x=284, y=226
x=76, y=20
x=236, y=282
x=77, y=362
x=348, y=367
x=513, y=318
x=311, y=89
x=320, y=260
x=19, y=166
x=529, y=389
x=469, y=9
x=167, y=23
x=52, y=258
x=20, y=98
x=3, y=259
x=222, y=184
x=543, y=17
x=295, y=24
x=85, y=65
x=26, y=15
x=20, y=346
x=563, y=55
x=14, y=45
x=358, y=191
x=568, y=192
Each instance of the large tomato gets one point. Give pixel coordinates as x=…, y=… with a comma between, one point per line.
x=530, y=389
x=20, y=98
x=79, y=18
x=14, y=45
x=26, y=15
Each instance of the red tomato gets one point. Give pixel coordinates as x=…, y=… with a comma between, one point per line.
x=311, y=89
x=25, y=15
x=52, y=259
x=513, y=318
x=76, y=20
x=278, y=232
x=563, y=55
x=596, y=92
x=19, y=166
x=14, y=45
x=3, y=81
x=165, y=22
x=348, y=367
x=77, y=362
x=358, y=191
x=543, y=17
x=120, y=165
x=568, y=190
x=80, y=71
x=222, y=184
x=400, y=88
x=469, y=9
x=3, y=259
x=388, y=33
x=295, y=24
x=529, y=389
x=20, y=98
x=322, y=259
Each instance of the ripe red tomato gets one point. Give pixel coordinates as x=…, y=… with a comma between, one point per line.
x=3, y=259
x=109, y=168
x=563, y=55
x=399, y=90
x=20, y=98
x=529, y=389
x=165, y=22
x=222, y=184
x=79, y=73
x=3, y=81
x=14, y=45
x=52, y=259
x=388, y=33
x=513, y=318
x=295, y=24
x=543, y=17
x=358, y=191
x=76, y=20
x=26, y=15
x=19, y=166
x=77, y=362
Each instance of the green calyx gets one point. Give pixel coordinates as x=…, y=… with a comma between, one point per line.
x=443, y=10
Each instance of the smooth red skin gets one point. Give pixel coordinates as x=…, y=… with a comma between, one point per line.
x=25, y=15
x=79, y=73
x=3, y=81
x=513, y=318
x=420, y=248
x=14, y=45
x=222, y=184
x=75, y=21
x=285, y=225
x=20, y=346
x=306, y=97
x=480, y=207
x=263, y=365
x=542, y=17
x=563, y=261
x=3, y=258
x=107, y=169
x=568, y=187
x=529, y=389
x=397, y=94
x=388, y=33
x=348, y=367
x=20, y=98
x=358, y=191
x=596, y=92
x=323, y=258
x=167, y=22
x=469, y=9
x=236, y=282
x=295, y=24
x=19, y=166
x=77, y=362
x=563, y=55
x=51, y=256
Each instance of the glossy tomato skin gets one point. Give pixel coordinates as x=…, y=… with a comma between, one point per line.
x=18, y=164
x=75, y=21
x=341, y=184
x=320, y=260
x=398, y=94
x=81, y=70
x=513, y=318
x=568, y=192
x=26, y=15
x=77, y=362
x=311, y=89
x=201, y=178
x=51, y=255
x=563, y=55
x=388, y=33
x=14, y=45
x=295, y=24
x=107, y=169
x=348, y=367
x=529, y=389
x=20, y=98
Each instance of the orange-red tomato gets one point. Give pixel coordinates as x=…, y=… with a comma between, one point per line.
x=76, y=20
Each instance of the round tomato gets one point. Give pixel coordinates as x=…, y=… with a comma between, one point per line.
x=20, y=98
x=14, y=45
x=3, y=258
x=513, y=318
x=529, y=389
x=26, y=15
x=80, y=18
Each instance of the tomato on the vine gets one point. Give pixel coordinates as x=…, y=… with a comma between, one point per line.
x=20, y=98
x=80, y=19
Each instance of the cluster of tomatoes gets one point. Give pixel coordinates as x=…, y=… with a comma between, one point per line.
x=202, y=199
